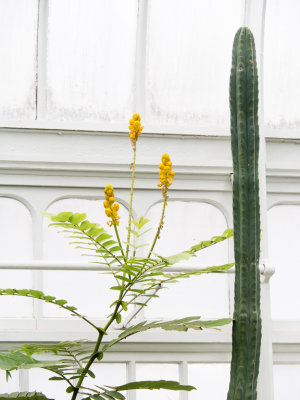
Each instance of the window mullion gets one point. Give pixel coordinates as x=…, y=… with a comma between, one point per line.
x=140, y=61
x=41, y=59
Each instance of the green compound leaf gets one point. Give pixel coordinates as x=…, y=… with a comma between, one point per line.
x=181, y=325
x=151, y=385
x=62, y=348
x=185, y=255
x=18, y=360
x=37, y=294
x=62, y=217
x=228, y=233
x=24, y=396
x=77, y=218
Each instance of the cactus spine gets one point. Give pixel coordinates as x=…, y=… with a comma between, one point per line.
x=246, y=335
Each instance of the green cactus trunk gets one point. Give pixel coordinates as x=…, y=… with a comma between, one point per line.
x=246, y=335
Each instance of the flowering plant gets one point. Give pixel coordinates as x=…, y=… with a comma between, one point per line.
x=137, y=280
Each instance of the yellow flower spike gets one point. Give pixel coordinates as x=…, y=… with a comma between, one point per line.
x=135, y=128
x=111, y=208
x=165, y=174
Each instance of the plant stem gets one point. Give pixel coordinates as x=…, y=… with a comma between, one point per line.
x=159, y=227
x=131, y=197
x=95, y=353
x=118, y=238
x=87, y=367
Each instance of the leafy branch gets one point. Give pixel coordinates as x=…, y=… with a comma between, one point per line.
x=39, y=295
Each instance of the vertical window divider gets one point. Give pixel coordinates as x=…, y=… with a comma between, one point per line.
x=131, y=377
x=140, y=58
x=37, y=239
x=41, y=59
x=23, y=380
x=183, y=379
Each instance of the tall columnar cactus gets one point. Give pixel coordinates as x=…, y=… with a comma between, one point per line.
x=246, y=337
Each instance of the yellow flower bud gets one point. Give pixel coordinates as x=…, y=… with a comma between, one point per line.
x=108, y=212
x=165, y=157
x=136, y=117
x=108, y=187
x=105, y=203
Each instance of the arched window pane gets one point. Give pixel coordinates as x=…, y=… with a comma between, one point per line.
x=18, y=49
x=188, y=61
x=186, y=224
x=89, y=290
x=90, y=64
x=16, y=244
x=284, y=241
x=282, y=63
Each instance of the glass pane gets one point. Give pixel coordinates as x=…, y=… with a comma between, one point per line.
x=14, y=214
x=12, y=385
x=186, y=224
x=284, y=240
x=286, y=382
x=90, y=66
x=18, y=44
x=188, y=61
x=112, y=374
x=205, y=376
x=38, y=381
x=157, y=372
x=89, y=290
x=282, y=63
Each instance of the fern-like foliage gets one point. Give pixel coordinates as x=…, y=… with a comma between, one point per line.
x=136, y=277
x=137, y=280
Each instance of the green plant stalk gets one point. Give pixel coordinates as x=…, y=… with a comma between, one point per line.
x=95, y=353
x=131, y=198
x=118, y=238
x=159, y=227
x=246, y=335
